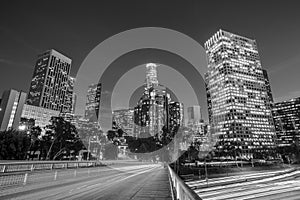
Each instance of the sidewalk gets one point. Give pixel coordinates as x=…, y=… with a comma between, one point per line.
x=157, y=187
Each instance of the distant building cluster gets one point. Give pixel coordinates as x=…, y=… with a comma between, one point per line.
x=51, y=94
x=155, y=110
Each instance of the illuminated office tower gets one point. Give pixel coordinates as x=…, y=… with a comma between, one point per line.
x=11, y=109
x=175, y=115
x=70, y=100
x=208, y=98
x=71, y=96
x=287, y=121
x=150, y=114
x=151, y=75
x=49, y=84
x=92, y=106
x=155, y=109
x=240, y=106
x=268, y=86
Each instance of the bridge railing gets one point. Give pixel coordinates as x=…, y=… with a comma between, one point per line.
x=181, y=190
x=9, y=167
x=23, y=173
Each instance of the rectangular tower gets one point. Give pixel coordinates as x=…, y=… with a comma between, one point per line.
x=49, y=83
x=11, y=109
x=240, y=106
x=194, y=113
x=92, y=106
x=287, y=121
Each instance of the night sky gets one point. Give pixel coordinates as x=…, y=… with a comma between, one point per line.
x=74, y=28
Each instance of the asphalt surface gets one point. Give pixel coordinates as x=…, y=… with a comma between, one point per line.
x=277, y=185
x=143, y=182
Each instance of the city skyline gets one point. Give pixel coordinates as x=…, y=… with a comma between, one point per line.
x=156, y=99
x=279, y=54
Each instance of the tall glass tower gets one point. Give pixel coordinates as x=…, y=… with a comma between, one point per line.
x=240, y=106
x=154, y=109
x=151, y=75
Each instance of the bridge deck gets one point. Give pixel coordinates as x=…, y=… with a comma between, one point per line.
x=116, y=182
x=157, y=187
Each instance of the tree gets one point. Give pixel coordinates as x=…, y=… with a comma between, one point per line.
x=35, y=134
x=111, y=134
x=61, y=138
x=13, y=145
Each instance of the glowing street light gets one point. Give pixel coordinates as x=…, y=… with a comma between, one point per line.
x=22, y=127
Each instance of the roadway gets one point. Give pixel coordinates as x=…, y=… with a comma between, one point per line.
x=134, y=181
x=259, y=186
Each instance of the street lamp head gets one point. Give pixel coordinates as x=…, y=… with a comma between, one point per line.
x=22, y=127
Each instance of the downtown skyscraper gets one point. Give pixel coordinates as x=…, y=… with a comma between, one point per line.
x=92, y=105
x=240, y=106
x=155, y=110
x=50, y=82
x=11, y=107
x=287, y=122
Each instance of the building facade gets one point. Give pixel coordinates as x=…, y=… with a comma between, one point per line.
x=92, y=106
x=175, y=115
x=50, y=82
x=287, y=121
x=268, y=86
x=70, y=100
x=155, y=109
x=124, y=119
x=11, y=109
x=42, y=116
x=195, y=118
x=240, y=106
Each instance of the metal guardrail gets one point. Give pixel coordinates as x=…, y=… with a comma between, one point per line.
x=37, y=177
x=21, y=173
x=182, y=191
x=45, y=165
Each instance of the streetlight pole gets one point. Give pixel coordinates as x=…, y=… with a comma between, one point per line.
x=206, y=176
x=89, y=146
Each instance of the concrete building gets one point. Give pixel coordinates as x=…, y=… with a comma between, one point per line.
x=11, y=108
x=41, y=115
x=50, y=82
